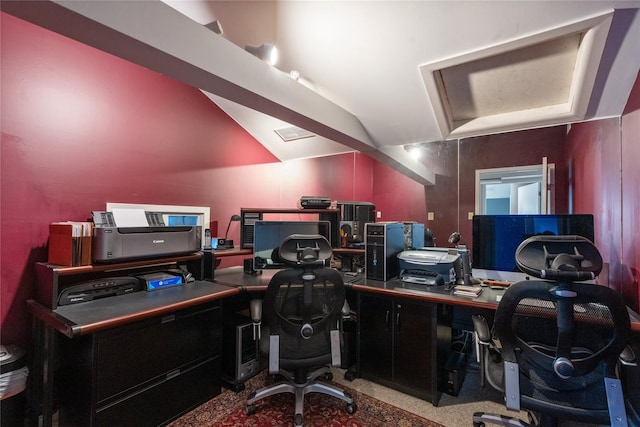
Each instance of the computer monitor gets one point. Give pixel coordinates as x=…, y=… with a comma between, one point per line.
x=496, y=237
x=269, y=235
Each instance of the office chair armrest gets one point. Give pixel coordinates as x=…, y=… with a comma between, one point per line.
x=482, y=337
x=628, y=357
x=512, y=386
x=274, y=354
x=482, y=329
x=255, y=309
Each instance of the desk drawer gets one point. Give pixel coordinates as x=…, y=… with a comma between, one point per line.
x=129, y=356
x=165, y=401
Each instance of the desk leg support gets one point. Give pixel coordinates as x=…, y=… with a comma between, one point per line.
x=41, y=390
x=47, y=383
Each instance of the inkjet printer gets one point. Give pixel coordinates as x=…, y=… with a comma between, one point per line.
x=113, y=243
x=430, y=266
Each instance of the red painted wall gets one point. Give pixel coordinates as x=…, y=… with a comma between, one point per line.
x=630, y=274
x=603, y=156
x=81, y=128
x=397, y=198
x=456, y=162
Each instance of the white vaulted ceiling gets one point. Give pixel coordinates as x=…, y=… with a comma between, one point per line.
x=375, y=76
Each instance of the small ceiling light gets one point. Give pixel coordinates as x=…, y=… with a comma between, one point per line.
x=415, y=152
x=294, y=74
x=215, y=26
x=267, y=52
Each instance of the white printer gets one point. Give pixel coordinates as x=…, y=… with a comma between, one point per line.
x=415, y=265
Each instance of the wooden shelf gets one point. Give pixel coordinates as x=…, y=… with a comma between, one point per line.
x=70, y=271
x=52, y=279
x=289, y=210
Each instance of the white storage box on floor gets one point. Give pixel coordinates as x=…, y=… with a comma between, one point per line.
x=13, y=382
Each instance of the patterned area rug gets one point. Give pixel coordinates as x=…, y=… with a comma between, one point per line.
x=228, y=409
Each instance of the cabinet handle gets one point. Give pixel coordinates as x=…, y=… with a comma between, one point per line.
x=173, y=374
x=167, y=319
x=398, y=320
x=386, y=319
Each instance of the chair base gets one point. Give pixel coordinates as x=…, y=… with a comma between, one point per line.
x=299, y=390
x=482, y=418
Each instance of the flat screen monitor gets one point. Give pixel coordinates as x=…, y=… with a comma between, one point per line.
x=496, y=237
x=268, y=235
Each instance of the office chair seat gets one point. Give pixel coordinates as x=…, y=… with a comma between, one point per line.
x=302, y=307
x=555, y=343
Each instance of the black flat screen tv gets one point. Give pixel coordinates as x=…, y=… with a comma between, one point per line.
x=268, y=235
x=496, y=237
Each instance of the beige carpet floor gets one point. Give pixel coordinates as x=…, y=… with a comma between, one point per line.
x=451, y=411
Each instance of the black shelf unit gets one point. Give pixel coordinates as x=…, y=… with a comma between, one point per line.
x=248, y=217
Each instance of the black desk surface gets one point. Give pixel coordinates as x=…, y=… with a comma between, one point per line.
x=488, y=298
x=92, y=316
x=80, y=319
x=235, y=276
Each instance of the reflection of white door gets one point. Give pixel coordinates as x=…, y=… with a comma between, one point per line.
x=528, y=198
x=515, y=190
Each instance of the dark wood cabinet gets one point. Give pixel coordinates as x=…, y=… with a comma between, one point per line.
x=144, y=373
x=403, y=344
x=137, y=359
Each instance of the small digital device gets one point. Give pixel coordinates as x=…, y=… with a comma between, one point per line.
x=162, y=279
x=268, y=235
x=314, y=202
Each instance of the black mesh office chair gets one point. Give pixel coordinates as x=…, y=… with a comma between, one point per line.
x=555, y=342
x=302, y=307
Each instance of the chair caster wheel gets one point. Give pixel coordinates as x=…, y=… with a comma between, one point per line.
x=251, y=409
x=352, y=408
x=297, y=420
x=328, y=376
x=476, y=424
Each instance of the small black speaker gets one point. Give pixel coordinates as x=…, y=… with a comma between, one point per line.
x=248, y=267
x=209, y=264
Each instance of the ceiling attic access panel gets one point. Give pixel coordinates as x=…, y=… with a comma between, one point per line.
x=535, y=81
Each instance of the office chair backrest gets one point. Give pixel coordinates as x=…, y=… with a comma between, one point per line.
x=303, y=304
x=563, y=335
x=563, y=258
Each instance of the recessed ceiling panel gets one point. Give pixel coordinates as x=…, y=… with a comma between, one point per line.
x=291, y=133
x=543, y=79
x=522, y=79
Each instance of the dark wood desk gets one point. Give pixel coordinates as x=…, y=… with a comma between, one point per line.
x=235, y=277
x=235, y=251
x=101, y=316
x=96, y=318
x=488, y=299
x=409, y=358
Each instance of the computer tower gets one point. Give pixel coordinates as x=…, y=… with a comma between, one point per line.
x=240, y=355
x=455, y=371
x=383, y=242
x=413, y=235
x=247, y=227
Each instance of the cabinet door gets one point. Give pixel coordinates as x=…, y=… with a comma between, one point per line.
x=414, y=345
x=375, y=323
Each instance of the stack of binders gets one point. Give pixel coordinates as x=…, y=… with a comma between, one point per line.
x=70, y=243
x=467, y=291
